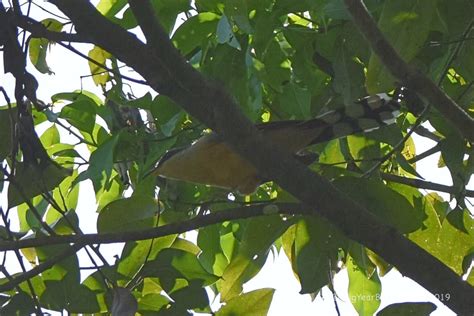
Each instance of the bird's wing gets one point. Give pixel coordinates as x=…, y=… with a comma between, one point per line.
x=362, y=116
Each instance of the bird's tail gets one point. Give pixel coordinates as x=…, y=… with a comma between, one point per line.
x=365, y=115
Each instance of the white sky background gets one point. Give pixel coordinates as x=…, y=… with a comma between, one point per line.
x=277, y=271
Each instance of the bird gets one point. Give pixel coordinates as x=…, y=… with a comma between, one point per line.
x=210, y=161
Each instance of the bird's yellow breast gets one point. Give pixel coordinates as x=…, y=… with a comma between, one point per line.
x=211, y=161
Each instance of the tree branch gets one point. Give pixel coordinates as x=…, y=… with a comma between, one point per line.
x=421, y=184
x=25, y=276
x=38, y=30
x=424, y=132
x=168, y=73
x=411, y=77
x=165, y=230
x=425, y=154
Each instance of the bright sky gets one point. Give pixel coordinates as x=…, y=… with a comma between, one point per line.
x=277, y=272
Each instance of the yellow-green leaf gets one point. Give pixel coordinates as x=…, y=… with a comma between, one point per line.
x=99, y=74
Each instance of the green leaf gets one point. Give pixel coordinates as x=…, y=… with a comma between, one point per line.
x=361, y=258
x=336, y=9
x=85, y=301
x=152, y=303
x=129, y=214
x=361, y=148
x=61, y=280
x=418, y=308
x=210, y=5
x=167, y=114
x=195, y=31
x=62, y=224
x=191, y=297
x=26, y=217
x=388, y=205
x=96, y=283
x=348, y=74
x=99, y=74
x=50, y=136
x=238, y=12
x=313, y=246
x=63, y=150
x=5, y=234
x=265, y=24
x=186, y=245
x=34, y=181
x=110, y=8
x=296, y=101
x=443, y=240
x=236, y=77
x=312, y=76
x=467, y=261
x=168, y=10
x=100, y=163
x=38, y=47
x=212, y=256
x=134, y=254
x=254, y=303
x=453, y=150
x=109, y=193
x=144, y=102
x=77, y=95
x=20, y=304
x=389, y=134
x=258, y=236
x=364, y=292
x=171, y=264
x=274, y=69
x=80, y=114
x=224, y=30
x=406, y=24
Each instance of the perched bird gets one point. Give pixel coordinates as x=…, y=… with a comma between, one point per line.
x=209, y=160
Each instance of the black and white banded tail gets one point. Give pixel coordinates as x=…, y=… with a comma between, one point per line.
x=364, y=115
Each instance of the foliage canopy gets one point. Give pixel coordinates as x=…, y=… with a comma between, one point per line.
x=279, y=59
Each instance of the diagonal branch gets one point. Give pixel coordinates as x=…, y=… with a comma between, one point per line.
x=26, y=276
x=167, y=72
x=411, y=77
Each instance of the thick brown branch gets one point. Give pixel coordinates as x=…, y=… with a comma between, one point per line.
x=412, y=78
x=421, y=184
x=169, y=74
x=38, y=30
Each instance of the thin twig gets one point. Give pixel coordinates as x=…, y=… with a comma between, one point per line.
x=455, y=53
x=81, y=139
x=77, y=52
x=422, y=184
x=26, y=276
x=19, y=257
x=425, y=154
x=28, y=202
x=50, y=199
x=399, y=145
